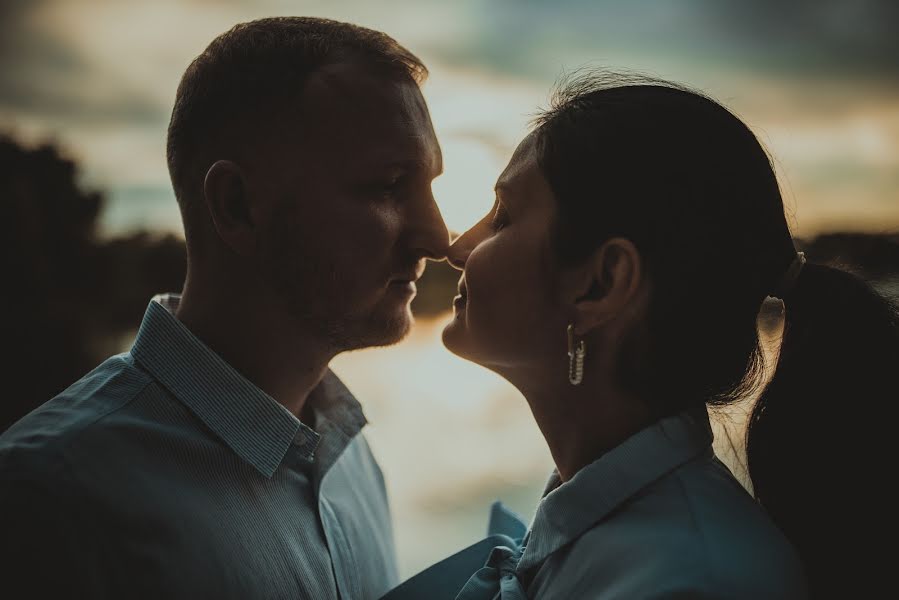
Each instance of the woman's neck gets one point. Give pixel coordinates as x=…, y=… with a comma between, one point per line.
x=581, y=423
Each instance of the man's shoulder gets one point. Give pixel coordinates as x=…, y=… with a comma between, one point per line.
x=39, y=440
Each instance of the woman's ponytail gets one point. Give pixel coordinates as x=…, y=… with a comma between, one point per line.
x=816, y=450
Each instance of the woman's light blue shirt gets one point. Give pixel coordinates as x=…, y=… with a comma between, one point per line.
x=659, y=516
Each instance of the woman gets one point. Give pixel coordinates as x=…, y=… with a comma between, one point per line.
x=617, y=283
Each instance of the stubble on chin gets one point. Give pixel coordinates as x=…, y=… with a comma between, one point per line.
x=372, y=331
x=316, y=298
x=343, y=331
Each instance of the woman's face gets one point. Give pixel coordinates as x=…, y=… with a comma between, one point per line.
x=508, y=315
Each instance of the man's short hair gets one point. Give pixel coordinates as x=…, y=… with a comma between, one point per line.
x=249, y=71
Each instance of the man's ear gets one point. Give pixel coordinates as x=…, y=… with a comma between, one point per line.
x=609, y=284
x=225, y=191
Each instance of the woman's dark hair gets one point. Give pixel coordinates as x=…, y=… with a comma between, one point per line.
x=690, y=185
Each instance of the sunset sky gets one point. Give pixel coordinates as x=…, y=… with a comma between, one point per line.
x=817, y=81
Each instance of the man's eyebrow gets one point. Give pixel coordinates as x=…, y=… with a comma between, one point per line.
x=412, y=164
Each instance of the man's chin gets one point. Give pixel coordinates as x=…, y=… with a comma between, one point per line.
x=393, y=334
x=380, y=330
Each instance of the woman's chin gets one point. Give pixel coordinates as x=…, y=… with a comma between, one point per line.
x=457, y=337
x=453, y=335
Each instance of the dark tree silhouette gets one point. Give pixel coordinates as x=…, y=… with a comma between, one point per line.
x=68, y=297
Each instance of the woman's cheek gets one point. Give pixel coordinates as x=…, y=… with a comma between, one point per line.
x=479, y=286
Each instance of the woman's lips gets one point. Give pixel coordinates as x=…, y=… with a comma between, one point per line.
x=460, y=300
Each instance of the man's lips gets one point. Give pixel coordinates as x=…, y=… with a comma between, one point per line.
x=405, y=282
x=410, y=276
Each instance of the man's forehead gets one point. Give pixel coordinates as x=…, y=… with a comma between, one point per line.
x=343, y=104
x=350, y=91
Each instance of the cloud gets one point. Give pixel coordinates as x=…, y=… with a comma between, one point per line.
x=45, y=74
x=804, y=38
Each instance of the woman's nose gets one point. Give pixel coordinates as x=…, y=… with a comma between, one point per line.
x=459, y=250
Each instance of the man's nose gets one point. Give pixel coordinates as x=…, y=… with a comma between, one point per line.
x=429, y=236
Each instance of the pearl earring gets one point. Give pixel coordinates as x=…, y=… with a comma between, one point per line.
x=576, y=354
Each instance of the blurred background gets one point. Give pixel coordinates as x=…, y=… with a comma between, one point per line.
x=91, y=229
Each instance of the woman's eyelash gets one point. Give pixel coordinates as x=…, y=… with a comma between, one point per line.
x=499, y=218
x=389, y=187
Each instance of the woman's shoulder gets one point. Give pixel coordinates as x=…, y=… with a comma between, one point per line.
x=695, y=530
x=704, y=506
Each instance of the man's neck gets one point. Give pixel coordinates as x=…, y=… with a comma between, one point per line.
x=275, y=358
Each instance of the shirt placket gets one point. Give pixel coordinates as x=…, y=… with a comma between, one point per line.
x=341, y=557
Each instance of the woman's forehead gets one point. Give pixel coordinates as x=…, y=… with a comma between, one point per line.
x=523, y=186
x=521, y=166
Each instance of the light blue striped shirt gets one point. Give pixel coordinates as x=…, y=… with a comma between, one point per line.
x=164, y=473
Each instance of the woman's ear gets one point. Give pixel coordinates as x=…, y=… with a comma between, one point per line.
x=609, y=284
x=228, y=202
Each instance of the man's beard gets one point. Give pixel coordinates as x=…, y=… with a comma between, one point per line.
x=342, y=331
x=314, y=292
x=367, y=332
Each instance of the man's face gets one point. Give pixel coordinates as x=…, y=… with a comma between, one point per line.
x=348, y=180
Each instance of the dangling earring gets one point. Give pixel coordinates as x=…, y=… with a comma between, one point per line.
x=576, y=356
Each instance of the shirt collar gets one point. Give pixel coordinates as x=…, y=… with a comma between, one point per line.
x=571, y=508
x=249, y=421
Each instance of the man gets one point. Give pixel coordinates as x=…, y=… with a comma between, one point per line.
x=220, y=458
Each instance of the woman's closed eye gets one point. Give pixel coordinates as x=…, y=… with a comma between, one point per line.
x=500, y=217
x=389, y=188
